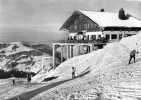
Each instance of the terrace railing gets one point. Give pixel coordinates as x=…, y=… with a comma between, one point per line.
x=99, y=41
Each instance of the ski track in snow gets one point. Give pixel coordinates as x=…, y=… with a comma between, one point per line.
x=108, y=65
x=107, y=70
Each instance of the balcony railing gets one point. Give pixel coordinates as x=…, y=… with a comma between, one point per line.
x=99, y=41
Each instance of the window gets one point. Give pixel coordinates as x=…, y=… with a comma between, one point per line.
x=90, y=37
x=69, y=38
x=75, y=37
x=80, y=37
x=85, y=37
x=99, y=36
x=114, y=36
x=120, y=36
x=72, y=37
x=129, y=34
x=107, y=36
x=93, y=37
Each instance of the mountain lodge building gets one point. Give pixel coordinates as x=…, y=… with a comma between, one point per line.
x=89, y=30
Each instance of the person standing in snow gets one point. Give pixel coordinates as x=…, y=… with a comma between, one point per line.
x=29, y=77
x=13, y=80
x=132, y=55
x=73, y=72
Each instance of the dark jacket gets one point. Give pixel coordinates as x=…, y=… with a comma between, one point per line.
x=133, y=53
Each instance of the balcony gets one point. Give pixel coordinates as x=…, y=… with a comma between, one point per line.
x=98, y=41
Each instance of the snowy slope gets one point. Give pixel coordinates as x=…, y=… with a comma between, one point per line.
x=107, y=67
x=92, y=62
x=114, y=54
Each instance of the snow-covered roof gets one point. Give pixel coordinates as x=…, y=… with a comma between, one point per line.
x=109, y=19
x=106, y=19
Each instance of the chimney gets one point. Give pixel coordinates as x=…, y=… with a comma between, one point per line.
x=122, y=15
x=102, y=10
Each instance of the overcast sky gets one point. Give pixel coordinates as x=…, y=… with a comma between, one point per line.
x=40, y=20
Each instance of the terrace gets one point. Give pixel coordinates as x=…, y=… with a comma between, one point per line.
x=99, y=41
x=70, y=45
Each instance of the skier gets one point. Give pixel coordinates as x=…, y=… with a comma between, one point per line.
x=73, y=72
x=13, y=80
x=132, y=55
x=29, y=77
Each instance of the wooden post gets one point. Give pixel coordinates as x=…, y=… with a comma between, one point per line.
x=110, y=36
x=53, y=55
x=117, y=36
x=123, y=33
x=71, y=50
x=94, y=47
x=96, y=37
x=67, y=51
x=78, y=49
x=88, y=48
x=61, y=53
x=91, y=47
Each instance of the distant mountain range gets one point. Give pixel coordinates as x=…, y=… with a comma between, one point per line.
x=23, y=56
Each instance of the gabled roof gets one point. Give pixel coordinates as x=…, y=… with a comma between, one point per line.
x=109, y=19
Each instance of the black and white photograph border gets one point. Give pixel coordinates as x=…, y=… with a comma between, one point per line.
x=70, y=49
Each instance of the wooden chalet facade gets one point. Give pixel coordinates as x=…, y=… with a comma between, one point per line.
x=86, y=27
x=92, y=25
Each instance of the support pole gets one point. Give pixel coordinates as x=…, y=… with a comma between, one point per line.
x=61, y=53
x=117, y=36
x=67, y=51
x=91, y=48
x=78, y=49
x=53, y=56
x=123, y=34
x=94, y=47
x=88, y=48
x=71, y=50
x=110, y=37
